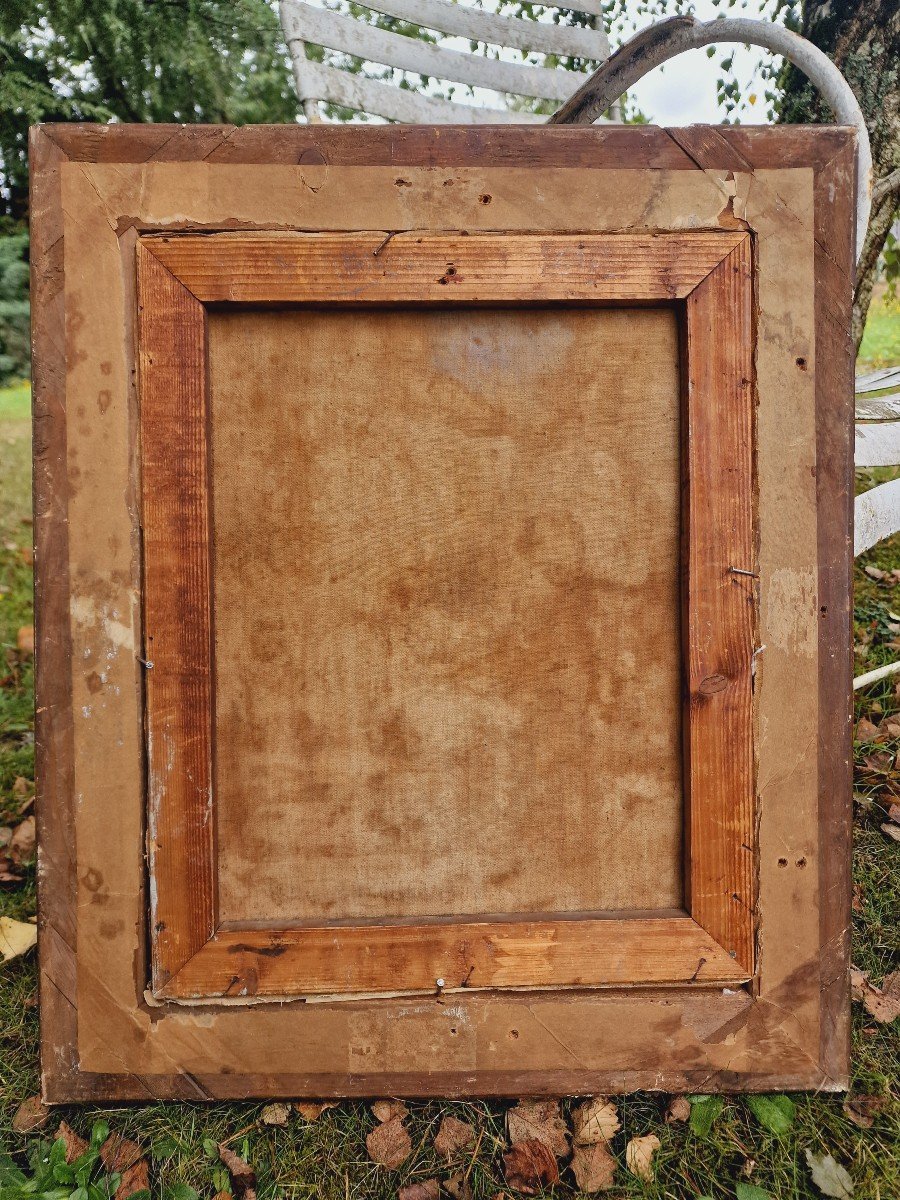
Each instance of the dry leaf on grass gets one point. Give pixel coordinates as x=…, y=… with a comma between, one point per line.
x=457, y=1186
x=16, y=937
x=530, y=1166
x=866, y=731
x=595, y=1121
x=892, y=831
x=20, y=786
x=882, y=1003
x=389, y=1144
x=639, y=1156
x=241, y=1174
x=21, y=844
x=30, y=1115
x=453, y=1137
x=538, y=1120
x=119, y=1154
x=135, y=1178
x=386, y=1110
x=75, y=1145
x=829, y=1176
x=25, y=640
x=311, y=1110
x=679, y=1109
x=862, y=1110
x=593, y=1167
x=428, y=1189
x=276, y=1114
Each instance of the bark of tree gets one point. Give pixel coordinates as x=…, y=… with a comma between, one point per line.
x=862, y=38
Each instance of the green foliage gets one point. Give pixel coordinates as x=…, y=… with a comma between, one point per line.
x=135, y=60
x=775, y=1113
x=14, y=321
x=704, y=1110
x=52, y=1178
x=749, y=1191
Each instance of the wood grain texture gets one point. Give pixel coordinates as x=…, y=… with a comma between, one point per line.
x=835, y=485
x=437, y=268
x=177, y=617
x=719, y=602
x=246, y=963
x=633, y=147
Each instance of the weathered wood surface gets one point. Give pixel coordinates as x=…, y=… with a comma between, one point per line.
x=177, y=616
x=876, y=515
x=720, y=598
x=304, y=23
x=280, y=963
x=438, y=268
x=100, y=1039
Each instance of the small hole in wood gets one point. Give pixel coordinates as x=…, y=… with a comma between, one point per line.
x=801, y=862
x=514, y=1033
x=782, y=862
x=801, y=363
x=453, y=1031
x=485, y=199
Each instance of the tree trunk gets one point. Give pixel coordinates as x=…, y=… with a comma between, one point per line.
x=862, y=37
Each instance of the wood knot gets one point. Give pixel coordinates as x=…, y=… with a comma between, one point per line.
x=712, y=684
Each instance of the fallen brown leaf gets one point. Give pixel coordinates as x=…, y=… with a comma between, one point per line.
x=639, y=1156
x=311, y=1110
x=21, y=844
x=135, y=1178
x=679, y=1109
x=276, y=1114
x=529, y=1166
x=866, y=731
x=884, y=1003
x=538, y=1120
x=389, y=1144
x=25, y=640
x=20, y=786
x=452, y=1137
x=457, y=1186
x=241, y=1174
x=118, y=1153
x=30, y=1115
x=875, y=573
x=386, y=1110
x=75, y=1145
x=893, y=831
x=595, y=1121
x=862, y=1110
x=428, y=1189
x=593, y=1167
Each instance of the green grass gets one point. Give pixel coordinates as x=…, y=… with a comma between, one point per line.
x=881, y=340
x=328, y=1159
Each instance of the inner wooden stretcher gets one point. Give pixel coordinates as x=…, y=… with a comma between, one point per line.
x=445, y=579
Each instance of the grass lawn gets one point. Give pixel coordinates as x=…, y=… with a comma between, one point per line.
x=734, y=1156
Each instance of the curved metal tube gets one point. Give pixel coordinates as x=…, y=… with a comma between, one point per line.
x=660, y=42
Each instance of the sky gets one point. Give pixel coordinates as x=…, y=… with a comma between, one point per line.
x=684, y=90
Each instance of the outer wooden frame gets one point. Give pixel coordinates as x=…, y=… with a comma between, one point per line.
x=193, y=955
x=95, y=191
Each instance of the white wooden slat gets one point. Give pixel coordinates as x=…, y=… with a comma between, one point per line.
x=876, y=381
x=877, y=444
x=324, y=28
x=878, y=408
x=315, y=81
x=875, y=675
x=481, y=26
x=876, y=515
x=593, y=8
